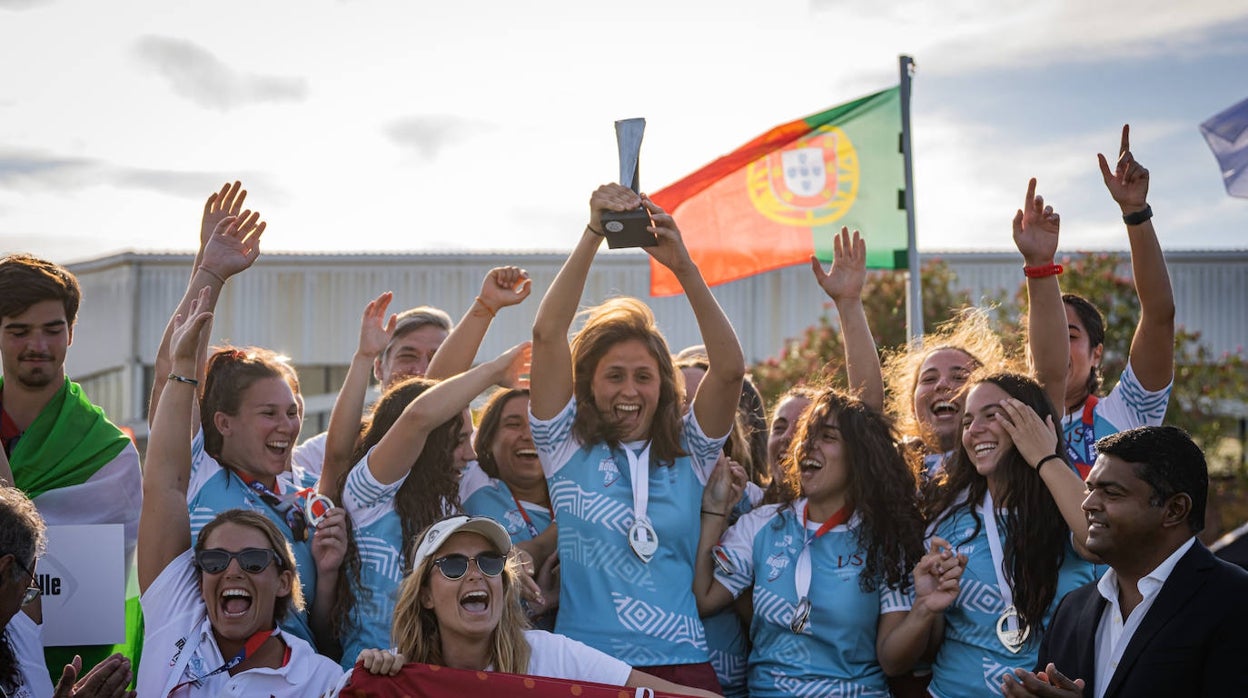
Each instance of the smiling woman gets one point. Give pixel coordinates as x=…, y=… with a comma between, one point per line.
x=214, y=608
x=625, y=469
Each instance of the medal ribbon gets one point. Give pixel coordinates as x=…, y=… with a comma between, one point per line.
x=250, y=647
x=1087, y=434
x=283, y=506
x=527, y=521
x=802, y=572
x=998, y=559
x=639, y=471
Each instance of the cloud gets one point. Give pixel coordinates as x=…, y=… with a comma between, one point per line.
x=22, y=4
x=428, y=134
x=196, y=74
x=31, y=170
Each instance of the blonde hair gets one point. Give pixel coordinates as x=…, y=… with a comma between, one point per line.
x=970, y=331
x=415, y=630
x=278, y=542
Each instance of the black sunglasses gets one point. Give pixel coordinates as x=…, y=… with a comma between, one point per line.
x=455, y=565
x=251, y=560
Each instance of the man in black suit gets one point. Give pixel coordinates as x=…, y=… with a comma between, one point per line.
x=1168, y=619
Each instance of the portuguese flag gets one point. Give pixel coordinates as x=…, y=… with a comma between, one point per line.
x=780, y=198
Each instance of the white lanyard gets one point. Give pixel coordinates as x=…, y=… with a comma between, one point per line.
x=642, y=537
x=802, y=570
x=1008, y=631
x=639, y=471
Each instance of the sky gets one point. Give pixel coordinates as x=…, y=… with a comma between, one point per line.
x=380, y=125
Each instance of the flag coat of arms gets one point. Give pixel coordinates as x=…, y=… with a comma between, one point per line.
x=780, y=198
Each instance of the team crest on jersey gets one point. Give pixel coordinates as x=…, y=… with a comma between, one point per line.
x=812, y=182
x=610, y=471
x=515, y=521
x=776, y=564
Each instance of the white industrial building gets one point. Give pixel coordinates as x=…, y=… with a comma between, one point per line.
x=308, y=307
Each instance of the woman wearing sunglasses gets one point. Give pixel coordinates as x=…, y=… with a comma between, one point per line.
x=213, y=611
x=459, y=607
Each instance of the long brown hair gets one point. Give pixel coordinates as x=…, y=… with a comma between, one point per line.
x=882, y=487
x=1036, y=535
x=619, y=320
x=415, y=630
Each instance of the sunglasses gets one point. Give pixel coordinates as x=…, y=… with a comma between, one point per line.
x=455, y=565
x=251, y=560
x=34, y=590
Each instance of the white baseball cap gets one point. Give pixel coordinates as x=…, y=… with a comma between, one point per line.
x=437, y=534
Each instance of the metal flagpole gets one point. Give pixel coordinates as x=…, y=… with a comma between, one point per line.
x=914, y=304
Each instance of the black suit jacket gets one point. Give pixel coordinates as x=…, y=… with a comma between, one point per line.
x=1192, y=642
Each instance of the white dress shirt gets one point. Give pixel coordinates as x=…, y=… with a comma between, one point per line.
x=1114, y=633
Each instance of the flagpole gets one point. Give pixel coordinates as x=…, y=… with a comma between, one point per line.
x=914, y=305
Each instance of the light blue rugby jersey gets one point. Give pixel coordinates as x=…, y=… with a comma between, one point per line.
x=378, y=532
x=835, y=654
x=483, y=495
x=971, y=660
x=642, y=613
x=213, y=489
x=1127, y=406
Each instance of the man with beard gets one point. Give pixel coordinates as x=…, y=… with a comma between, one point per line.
x=75, y=464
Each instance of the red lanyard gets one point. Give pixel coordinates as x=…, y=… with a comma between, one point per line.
x=293, y=515
x=527, y=521
x=250, y=647
x=833, y=521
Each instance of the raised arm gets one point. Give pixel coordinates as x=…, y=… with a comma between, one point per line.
x=1152, y=347
x=715, y=403
x=1036, y=441
x=843, y=284
x=344, y=419
x=723, y=489
x=503, y=286
x=1036, y=229
x=164, y=521
x=552, y=357
x=231, y=249
x=394, y=454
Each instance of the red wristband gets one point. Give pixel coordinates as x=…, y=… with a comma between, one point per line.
x=1041, y=272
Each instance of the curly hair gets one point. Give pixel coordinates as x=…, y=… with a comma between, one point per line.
x=882, y=488
x=417, y=637
x=620, y=320
x=432, y=488
x=1036, y=535
x=970, y=332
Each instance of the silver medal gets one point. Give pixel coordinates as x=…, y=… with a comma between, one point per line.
x=1013, y=640
x=315, y=508
x=801, y=616
x=643, y=539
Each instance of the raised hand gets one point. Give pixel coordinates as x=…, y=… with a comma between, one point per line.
x=227, y=202
x=1128, y=181
x=185, y=339
x=329, y=544
x=1033, y=437
x=375, y=330
x=671, y=251
x=937, y=575
x=234, y=244
x=724, y=487
x=610, y=197
x=844, y=281
x=513, y=366
x=504, y=286
x=1036, y=229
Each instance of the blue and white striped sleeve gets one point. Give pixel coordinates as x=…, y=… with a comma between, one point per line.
x=554, y=439
x=364, y=498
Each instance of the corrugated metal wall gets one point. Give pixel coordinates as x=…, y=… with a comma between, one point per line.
x=308, y=306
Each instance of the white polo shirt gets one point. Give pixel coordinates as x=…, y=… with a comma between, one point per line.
x=1114, y=633
x=178, y=645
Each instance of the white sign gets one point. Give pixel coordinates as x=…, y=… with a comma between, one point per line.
x=83, y=577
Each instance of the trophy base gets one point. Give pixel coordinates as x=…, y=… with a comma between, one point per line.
x=628, y=229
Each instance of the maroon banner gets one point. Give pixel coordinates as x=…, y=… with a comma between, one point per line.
x=428, y=681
